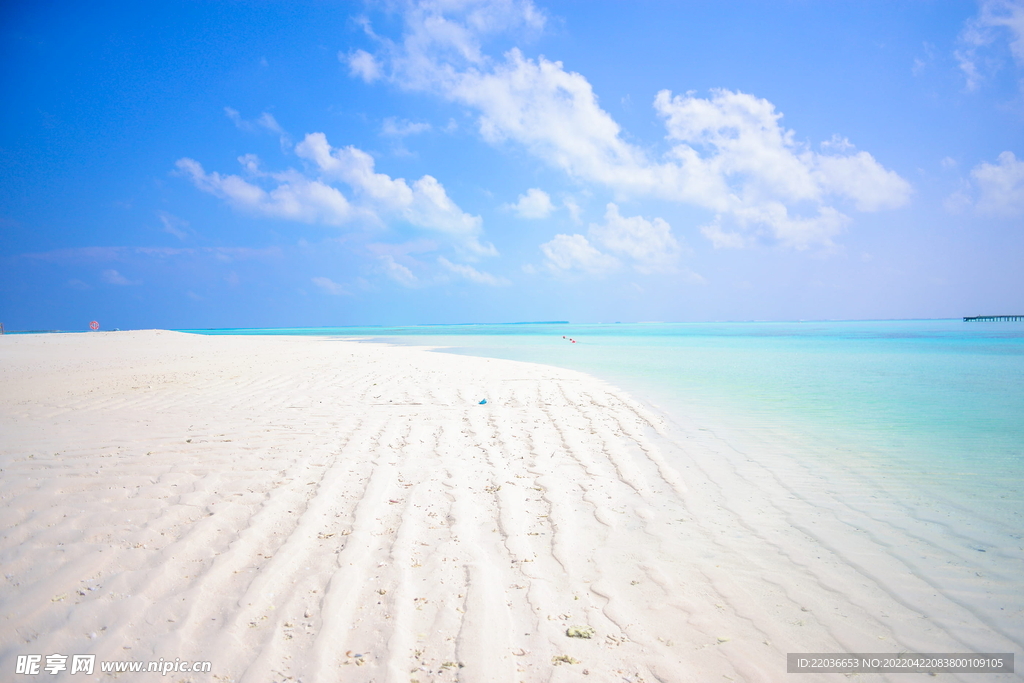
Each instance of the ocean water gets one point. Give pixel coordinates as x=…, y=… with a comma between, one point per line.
x=931, y=403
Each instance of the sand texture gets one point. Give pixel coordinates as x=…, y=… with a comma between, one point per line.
x=312, y=509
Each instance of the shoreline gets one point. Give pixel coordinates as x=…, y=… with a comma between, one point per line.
x=298, y=501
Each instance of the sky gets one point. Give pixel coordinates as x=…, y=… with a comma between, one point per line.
x=264, y=164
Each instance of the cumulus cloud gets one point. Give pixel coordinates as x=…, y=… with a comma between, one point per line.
x=728, y=153
x=536, y=203
x=553, y=113
x=443, y=32
x=649, y=244
x=758, y=175
x=330, y=286
x=472, y=274
x=362, y=64
x=574, y=252
x=377, y=197
x=295, y=198
x=424, y=204
x=863, y=180
x=1000, y=186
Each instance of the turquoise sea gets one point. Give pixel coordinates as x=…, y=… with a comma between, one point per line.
x=931, y=402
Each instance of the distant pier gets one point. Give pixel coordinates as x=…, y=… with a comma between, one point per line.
x=992, y=318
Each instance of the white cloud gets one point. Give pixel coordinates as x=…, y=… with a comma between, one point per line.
x=362, y=64
x=838, y=143
x=573, y=208
x=472, y=274
x=425, y=204
x=392, y=127
x=993, y=189
x=174, y=225
x=650, y=244
x=378, y=198
x=296, y=198
x=236, y=118
x=721, y=239
x=967, y=61
x=536, y=203
x=554, y=113
x=1010, y=15
x=431, y=208
x=762, y=166
x=397, y=272
x=329, y=286
x=574, y=252
x=728, y=152
x=449, y=32
x=112, y=277
x=265, y=121
x=647, y=245
x=799, y=232
x=996, y=20
x=1000, y=186
x=863, y=180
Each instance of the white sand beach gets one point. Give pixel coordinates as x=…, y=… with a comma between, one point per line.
x=315, y=509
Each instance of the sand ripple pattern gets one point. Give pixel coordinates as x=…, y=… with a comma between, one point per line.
x=306, y=509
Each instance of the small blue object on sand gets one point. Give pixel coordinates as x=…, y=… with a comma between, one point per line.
x=482, y=402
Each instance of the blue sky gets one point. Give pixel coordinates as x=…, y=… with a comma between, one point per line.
x=227, y=164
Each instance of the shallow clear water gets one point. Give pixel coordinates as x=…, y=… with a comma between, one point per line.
x=936, y=404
